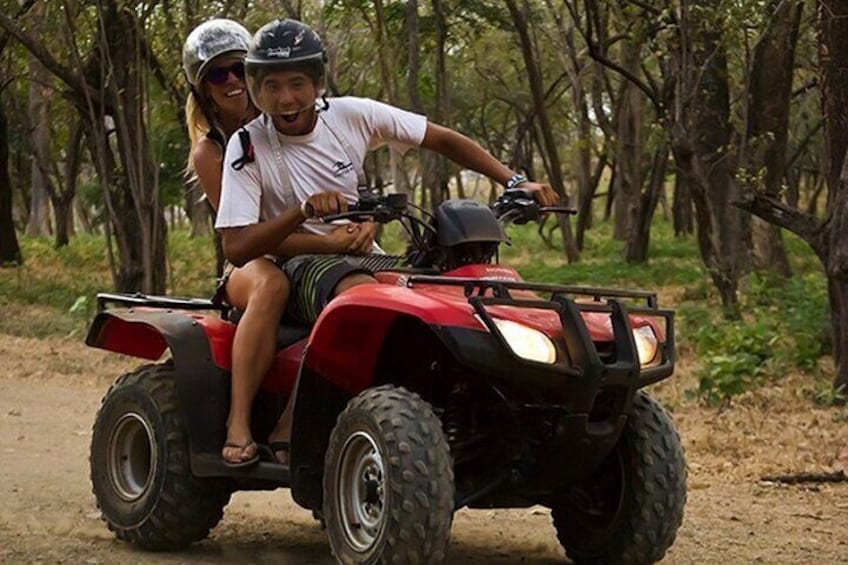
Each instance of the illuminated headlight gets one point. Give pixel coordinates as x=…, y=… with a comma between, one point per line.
x=527, y=343
x=646, y=344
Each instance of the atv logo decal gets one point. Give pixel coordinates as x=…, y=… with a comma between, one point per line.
x=341, y=168
x=281, y=52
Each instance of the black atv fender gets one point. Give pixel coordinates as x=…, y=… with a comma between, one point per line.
x=203, y=385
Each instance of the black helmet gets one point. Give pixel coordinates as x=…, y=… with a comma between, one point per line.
x=209, y=40
x=286, y=43
x=283, y=45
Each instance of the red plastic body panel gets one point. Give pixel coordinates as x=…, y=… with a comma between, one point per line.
x=220, y=333
x=135, y=333
x=345, y=343
x=282, y=375
x=131, y=337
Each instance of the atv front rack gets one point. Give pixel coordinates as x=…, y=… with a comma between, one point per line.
x=623, y=370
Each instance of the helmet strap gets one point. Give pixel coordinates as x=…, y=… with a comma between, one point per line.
x=324, y=104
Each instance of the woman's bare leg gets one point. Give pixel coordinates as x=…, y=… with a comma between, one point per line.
x=282, y=431
x=261, y=290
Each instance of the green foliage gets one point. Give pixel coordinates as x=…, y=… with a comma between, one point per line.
x=674, y=262
x=823, y=393
x=785, y=327
x=737, y=355
x=61, y=284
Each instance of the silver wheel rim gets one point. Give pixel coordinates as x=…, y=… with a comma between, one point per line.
x=132, y=457
x=360, y=484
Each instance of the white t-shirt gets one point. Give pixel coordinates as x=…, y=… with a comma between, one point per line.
x=316, y=162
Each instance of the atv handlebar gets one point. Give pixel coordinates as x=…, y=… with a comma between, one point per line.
x=519, y=206
x=514, y=205
x=374, y=208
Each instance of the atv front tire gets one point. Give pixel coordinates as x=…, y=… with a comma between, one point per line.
x=629, y=510
x=388, y=481
x=140, y=466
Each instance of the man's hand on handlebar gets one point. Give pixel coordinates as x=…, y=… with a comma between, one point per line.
x=544, y=194
x=324, y=204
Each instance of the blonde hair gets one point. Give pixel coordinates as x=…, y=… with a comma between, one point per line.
x=198, y=126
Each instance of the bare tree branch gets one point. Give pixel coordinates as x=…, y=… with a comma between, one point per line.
x=74, y=81
x=597, y=56
x=807, y=227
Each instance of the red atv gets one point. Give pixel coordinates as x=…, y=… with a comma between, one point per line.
x=451, y=383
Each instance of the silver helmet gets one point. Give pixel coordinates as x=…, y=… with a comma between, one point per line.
x=209, y=40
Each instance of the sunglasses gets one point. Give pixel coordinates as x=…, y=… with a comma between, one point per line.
x=219, y=75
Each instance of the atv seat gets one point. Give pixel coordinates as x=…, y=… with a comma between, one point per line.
x=287, y=334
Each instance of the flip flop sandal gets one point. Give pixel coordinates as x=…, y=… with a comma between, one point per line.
x=277, y=447
x=245, y=463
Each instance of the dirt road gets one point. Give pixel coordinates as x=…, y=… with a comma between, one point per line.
x=50, y=391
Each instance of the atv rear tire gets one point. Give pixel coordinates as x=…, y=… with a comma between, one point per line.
x=388, y=481
x=140, y=465
x=630, y=509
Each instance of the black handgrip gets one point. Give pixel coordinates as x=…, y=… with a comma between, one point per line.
x=353, y=216
x=558, y=210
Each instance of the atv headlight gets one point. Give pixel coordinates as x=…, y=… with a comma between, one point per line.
x=527, y=343
x=646, y=344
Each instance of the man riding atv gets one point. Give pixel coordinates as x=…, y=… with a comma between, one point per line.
x=304, y=145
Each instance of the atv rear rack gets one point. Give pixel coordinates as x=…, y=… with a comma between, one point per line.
x=153, y=301
x=585, y=361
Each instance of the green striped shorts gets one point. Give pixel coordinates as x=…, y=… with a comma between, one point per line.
x=314, y=279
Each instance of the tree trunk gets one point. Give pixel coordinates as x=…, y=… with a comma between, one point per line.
x=837, y=277
x=413, y=57
x=140, y=214
x=701, y=137
x=10, y=251
x=638, y=243
x=199, y=211
x=575, y=67
x=388, y=80
x=63, y=199
x=534, y=75
x=439, y=189
x=833, y=52
x=769, y=96
x=628, y=149
x=681, y=207
x=39, y=116
x=584, y=211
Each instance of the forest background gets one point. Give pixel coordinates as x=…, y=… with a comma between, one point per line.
x=703, y=144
